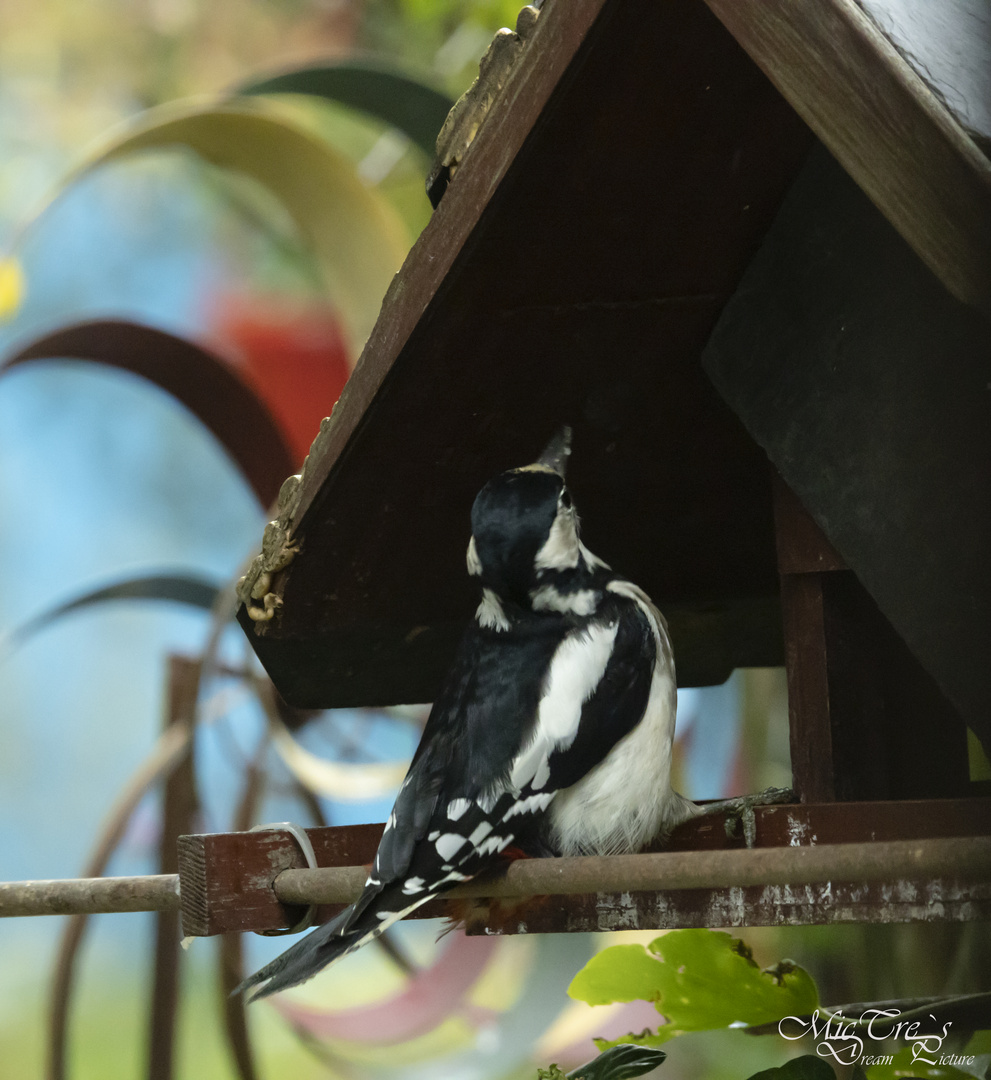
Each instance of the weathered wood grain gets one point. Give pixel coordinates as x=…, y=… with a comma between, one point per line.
x=880, y=120
x=228, y=879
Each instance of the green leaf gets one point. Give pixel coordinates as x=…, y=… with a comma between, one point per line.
x=902, y=1065
x=980, y=1043
x=178, y=588
x=619, y=1063
x=375, y=87
x=645, y=1038
x=619, y=973
x=207, y=386
x=359, y=240
x=699, y=980
x=807, y=1067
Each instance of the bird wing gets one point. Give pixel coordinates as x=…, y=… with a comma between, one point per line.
x=523, y=714
x=598, y=684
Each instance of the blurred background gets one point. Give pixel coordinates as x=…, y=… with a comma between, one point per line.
x=126, y=518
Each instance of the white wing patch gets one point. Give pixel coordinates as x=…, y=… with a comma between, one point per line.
x=454, y=875
x=529, y=805
x=413, y=885
x=448, y=845
x=493, y=845
x=457, y=808
x=620, y=804
x=482, y=829
x=575, y=671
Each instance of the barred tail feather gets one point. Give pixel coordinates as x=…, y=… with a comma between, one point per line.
x=318, y=949
x=323, y=947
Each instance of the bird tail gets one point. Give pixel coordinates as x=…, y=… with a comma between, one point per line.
x=318, y=949
x=327, y=944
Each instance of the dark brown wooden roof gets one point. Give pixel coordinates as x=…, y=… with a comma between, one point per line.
x=573, y=272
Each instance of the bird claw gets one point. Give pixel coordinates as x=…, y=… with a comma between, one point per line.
x=741, y=811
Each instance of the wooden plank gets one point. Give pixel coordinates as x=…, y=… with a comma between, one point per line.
x=949, y=47
x=810, y=730
x=507, y=320
x=803, y=548
x=880, y=120
x=909, y=900
x=866, y=720
x=227, y=878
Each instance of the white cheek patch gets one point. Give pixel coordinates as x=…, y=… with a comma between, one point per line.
x=593, y=562
x=472, y=559
x=575, y=671
x=561, y=548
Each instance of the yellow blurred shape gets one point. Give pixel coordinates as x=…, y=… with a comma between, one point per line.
x=11, y=287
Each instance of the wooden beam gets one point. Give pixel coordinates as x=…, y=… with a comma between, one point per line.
x=805, y=556
x=883, y=124
x=228, y=879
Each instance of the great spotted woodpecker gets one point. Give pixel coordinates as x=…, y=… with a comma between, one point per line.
x=552, y=732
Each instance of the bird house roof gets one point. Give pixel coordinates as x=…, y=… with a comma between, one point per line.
x=603, y=223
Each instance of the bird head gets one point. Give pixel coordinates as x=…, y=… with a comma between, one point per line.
x=524, y=524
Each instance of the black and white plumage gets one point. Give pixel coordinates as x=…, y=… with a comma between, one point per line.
x=552, y=732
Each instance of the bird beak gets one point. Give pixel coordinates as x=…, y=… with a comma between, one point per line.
x=555, y=455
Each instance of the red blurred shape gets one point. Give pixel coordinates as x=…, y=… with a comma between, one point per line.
x=292, y=354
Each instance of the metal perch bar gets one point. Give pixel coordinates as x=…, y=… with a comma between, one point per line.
x=90, y=896
x=961, y=858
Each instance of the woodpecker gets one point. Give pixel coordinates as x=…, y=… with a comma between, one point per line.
x=552, y=732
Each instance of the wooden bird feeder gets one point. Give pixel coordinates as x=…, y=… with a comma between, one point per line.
x=742, y=247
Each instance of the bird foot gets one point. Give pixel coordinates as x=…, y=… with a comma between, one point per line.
x=740, y=811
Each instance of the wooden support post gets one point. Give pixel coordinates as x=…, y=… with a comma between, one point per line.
x=178, y=808
x=805, y=559
x=867, y=721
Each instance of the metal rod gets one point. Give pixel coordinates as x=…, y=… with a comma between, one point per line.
x=960, y=858
x=967, y=858
x=91, y=896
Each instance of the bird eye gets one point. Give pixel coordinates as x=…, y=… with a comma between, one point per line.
x=565, y=499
